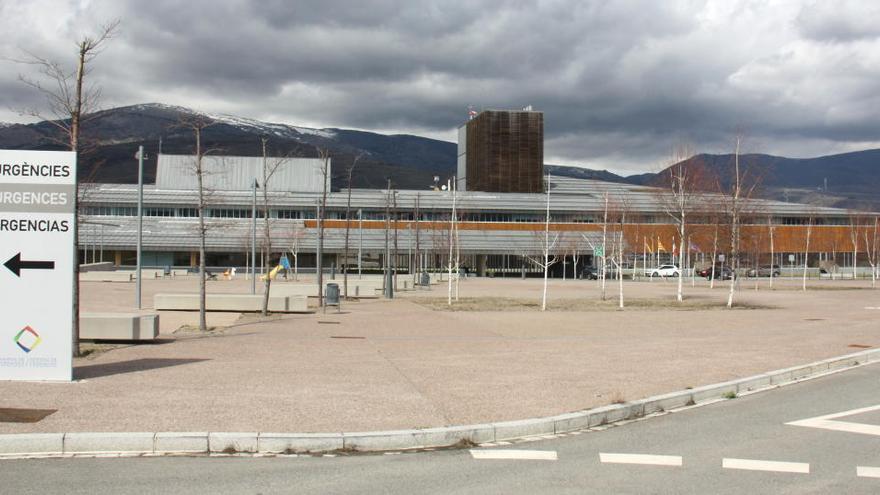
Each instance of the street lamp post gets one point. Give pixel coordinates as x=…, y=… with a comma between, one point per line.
x=140, y=229
x=254, y=240
x=360, y=239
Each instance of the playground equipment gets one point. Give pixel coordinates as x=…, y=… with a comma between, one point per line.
x=273, y=273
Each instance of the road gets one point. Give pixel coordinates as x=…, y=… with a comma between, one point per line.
x=710, y=449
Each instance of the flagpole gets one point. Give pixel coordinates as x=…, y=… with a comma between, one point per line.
x=657, y=252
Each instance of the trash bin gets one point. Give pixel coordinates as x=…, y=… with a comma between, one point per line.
x=331, y=295
x=425, y=280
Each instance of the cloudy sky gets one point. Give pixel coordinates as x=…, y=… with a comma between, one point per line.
x=620, y=82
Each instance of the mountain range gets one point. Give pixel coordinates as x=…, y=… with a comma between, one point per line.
x=849, y=180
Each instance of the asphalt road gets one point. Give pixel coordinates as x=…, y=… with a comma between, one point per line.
x=745, y=432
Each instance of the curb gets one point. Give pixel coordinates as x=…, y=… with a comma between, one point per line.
x=27, y=445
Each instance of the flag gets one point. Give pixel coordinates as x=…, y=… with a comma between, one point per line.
x=660, y=246
x=693, y=247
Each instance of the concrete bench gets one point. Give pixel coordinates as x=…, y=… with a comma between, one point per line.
x=118, y=326
x=355, y=289
x=106, y=277
x=147, y=273
x=282, y=289
x=230, y=302
x=103, y=266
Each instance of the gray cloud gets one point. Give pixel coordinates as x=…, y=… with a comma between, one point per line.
x=620, y=82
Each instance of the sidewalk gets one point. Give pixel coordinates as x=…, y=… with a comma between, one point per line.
x=385, y=365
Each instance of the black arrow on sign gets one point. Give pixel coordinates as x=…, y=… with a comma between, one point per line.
x=16, y=265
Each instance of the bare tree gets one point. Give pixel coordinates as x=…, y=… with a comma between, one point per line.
x=453, y=260
x=70, y=102
x=417, y=261
x=603, y=271
x=570, y=245
x=871, y=251
x=575, y=255
x=269, y=169
x=547, y=245
x=619, y=254
x=771, y=229
x=396, y=216
x=197, y=124
x=741, y=188
x=855, y=225
x=324, y=155
x=295, y=239
x=682, y=196
x=807, y=249
x=348, y=226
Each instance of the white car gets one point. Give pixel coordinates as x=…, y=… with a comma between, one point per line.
x=664, y=271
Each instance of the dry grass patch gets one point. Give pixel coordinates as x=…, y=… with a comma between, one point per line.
x=184, y=329
x=818, y=288
x=635, y=304
x=91, y=350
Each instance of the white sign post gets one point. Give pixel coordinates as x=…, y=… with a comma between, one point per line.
x=37, y=198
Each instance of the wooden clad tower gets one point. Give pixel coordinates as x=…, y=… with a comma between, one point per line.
x=504, y=152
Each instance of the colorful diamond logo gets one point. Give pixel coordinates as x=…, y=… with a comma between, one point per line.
x=27, y=338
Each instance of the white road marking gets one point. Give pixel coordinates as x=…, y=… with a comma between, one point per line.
x=533, y=455
x=867, y=472
x=655, y=460
x=775, y=466
x=827, y=422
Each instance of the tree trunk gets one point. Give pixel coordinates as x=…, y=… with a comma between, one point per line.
x=417, y=261
x=319, y=264
x=267, y=239
x=547, y=248
x=74, y=146
x=734, y=230
x=347, y=231
x=451, y=241
x=807, y=252
x=620, y=265
x=604, y=247
x=681, y=232
x=772, y=254
x=714, y=257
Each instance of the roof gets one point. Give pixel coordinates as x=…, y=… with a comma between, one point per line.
x=566, y=195
x=237, y=173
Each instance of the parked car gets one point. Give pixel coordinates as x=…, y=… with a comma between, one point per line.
x=706, y=270
x=721, y=273
x=589, y=273
x=664, y=271
x=764, y=271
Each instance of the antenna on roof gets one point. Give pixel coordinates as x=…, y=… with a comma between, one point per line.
x=471, y=112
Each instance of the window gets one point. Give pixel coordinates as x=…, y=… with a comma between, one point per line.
x=157, y=211
x=288, y=214
x=232, y=213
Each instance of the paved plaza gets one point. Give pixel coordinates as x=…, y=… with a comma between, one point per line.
x=381, y=365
